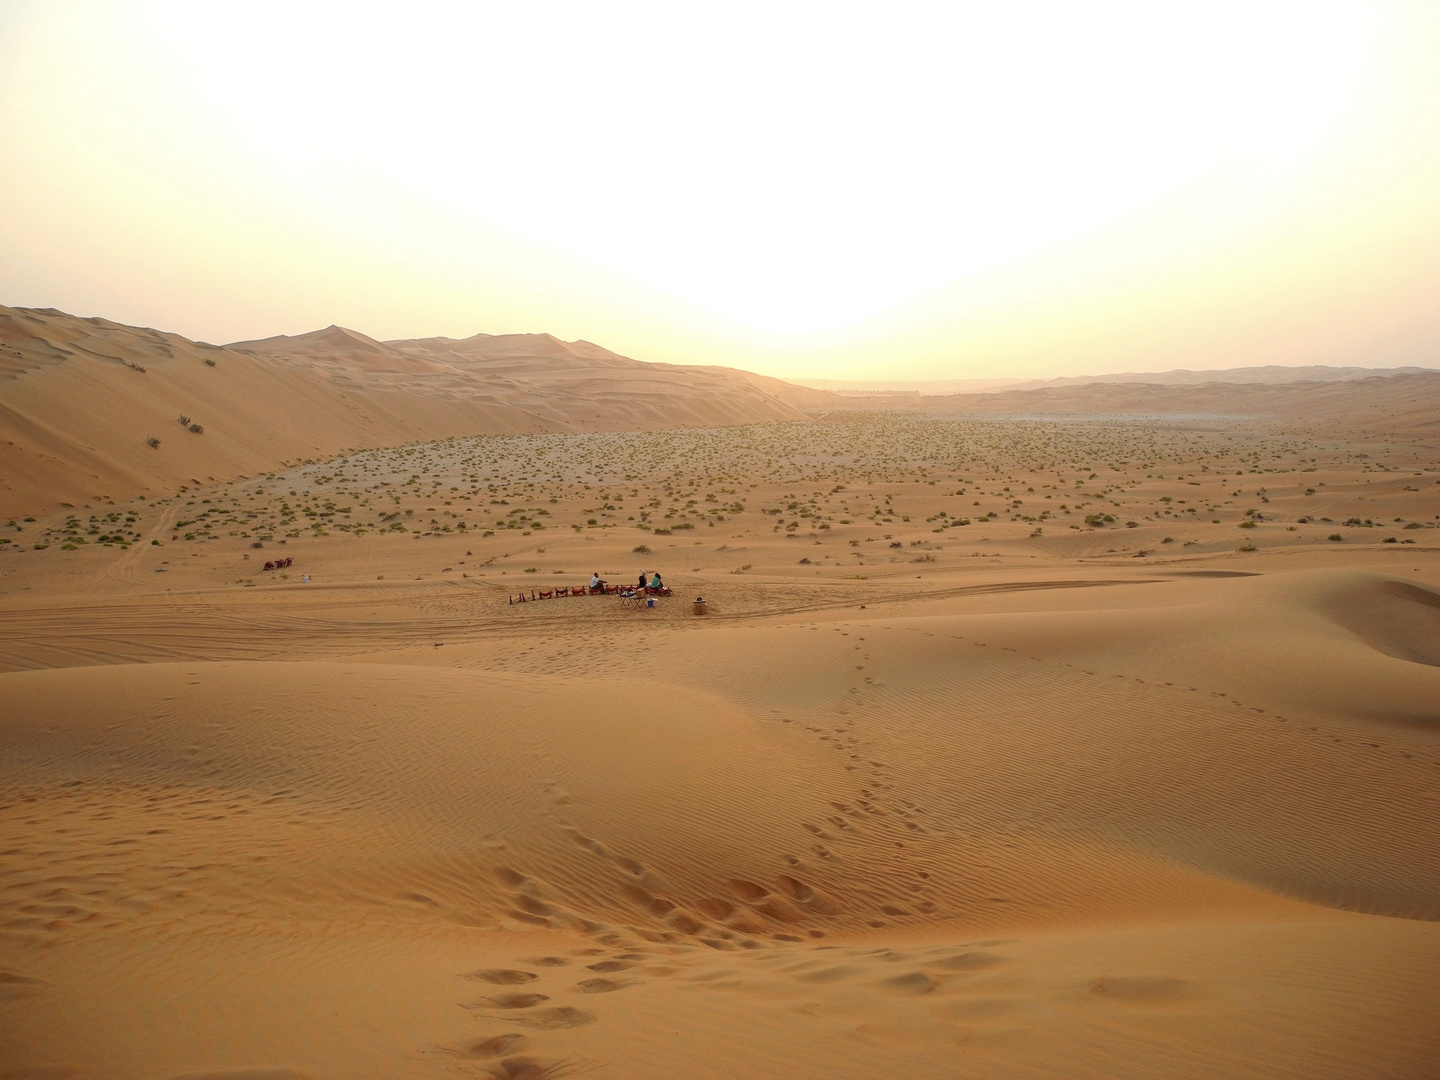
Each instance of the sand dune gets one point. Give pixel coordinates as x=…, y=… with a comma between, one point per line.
x=1263, y=374
x=1003, y=749
x=902, y=785
x=1266, y=374
x=1400, y=402
x=80, y=398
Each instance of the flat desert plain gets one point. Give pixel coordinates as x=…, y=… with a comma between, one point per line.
x=1005, y=748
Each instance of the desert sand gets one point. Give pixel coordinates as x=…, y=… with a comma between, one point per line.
x=1016, y=741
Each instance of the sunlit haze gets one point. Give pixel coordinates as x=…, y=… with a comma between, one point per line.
x=921, y=191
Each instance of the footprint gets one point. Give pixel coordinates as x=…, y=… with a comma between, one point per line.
x=602, y=986
x=746, y=923
x=715, y=907
x=550, y=961
x=746, y=890
x=684, y=922
x=643, y=897
x=14, y=985
x=912, y=983
x=1143, y=990
x=510, y=1001
x=555, y=1018
x=529, y=1068
x=590, y=845
x=813, y=899
x=502, y=976
x=780, y=909
x=969, y=961
x=611, y=965
x=493, y=1047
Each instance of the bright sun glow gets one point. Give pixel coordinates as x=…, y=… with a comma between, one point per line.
x=772, y=184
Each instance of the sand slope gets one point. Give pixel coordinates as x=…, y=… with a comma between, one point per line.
x=829, y=845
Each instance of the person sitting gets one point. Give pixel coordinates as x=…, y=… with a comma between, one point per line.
x=596, y=583
x=641, y=583
x=655, y=583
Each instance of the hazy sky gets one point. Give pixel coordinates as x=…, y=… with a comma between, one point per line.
x=917, y=191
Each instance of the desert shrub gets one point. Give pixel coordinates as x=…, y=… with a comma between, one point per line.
x=184, y=420
x=153, y=443
x=1335, y=536
x=641, y=549
x=197, y=429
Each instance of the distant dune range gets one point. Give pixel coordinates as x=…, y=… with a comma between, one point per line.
x=75, y=415
x=1405, y=401
x=81, y=398
x=1268, y=374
